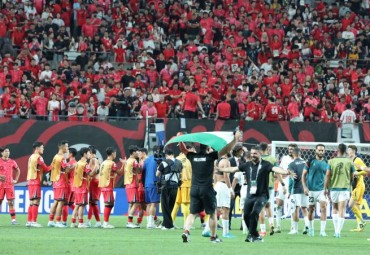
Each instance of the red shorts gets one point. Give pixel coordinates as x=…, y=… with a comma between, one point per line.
x=95, y=192
x=34, y=191
x=8, y=192
x=81, y=198
x=108, y=196
x=60, y=194
x=141, y=195
x=132, y=195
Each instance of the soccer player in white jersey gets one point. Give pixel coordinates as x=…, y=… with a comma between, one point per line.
x=282, y=187
x=313, y=185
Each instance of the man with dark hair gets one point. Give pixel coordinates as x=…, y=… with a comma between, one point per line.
x=271, y=112
x=202, y=194
x=191, y=102
x=257, y=172
x=80, y=184
x=223, y=109
x=168, y=171
x=339, y=176
x=107, y=174
x=94, y=190
x=70, y=191
x=313, y=186
x=131, y=171
x=59, y=172
x=36, y=167
x=234, y=107
x=7, y=168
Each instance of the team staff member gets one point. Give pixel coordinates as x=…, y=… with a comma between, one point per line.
x=107, y=175
x=339, y=176
x=183, y=194
x=36, y=167
x=169, y=173
x=358, y=186
x=58, y=176
x=202, y=194
x=257, y=172
x=7, y=168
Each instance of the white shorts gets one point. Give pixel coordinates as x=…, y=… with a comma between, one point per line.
x=280, y=193
x=301, y=200
x=339, y=196
x=316, y=196
x=271, y=197
x=243, y=195
x=223, y=196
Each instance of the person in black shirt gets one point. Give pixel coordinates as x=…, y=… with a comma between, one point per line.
x=256, y=173
x=202, y=194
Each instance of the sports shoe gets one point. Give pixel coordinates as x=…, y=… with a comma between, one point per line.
x=88, y=224
x=257, y=239
x=337, y=235
x=213, y=239
x=106, y=225
x=59, y=225
x=305, y=231
x=98, y=225
x=262, y=233
x=28, y=224
x=292, y=232
x=272, y=230
x=356, y=230
x=64, y=223
x=36, y=225
x=311, y=232
x=228, y=235
x=131, y=225
x=323, y=234
x=362, y=225
x=206, y=233
x=73, y=225
x=249, y=238
x=82, y=225
x=157, y=222
x=150, y=226
x=185, y=237
x=138, y=225
x=14, y=222
x=51, y=224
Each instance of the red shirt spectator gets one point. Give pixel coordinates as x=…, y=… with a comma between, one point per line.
x=271, y=112
x=223, y=109
x=40, y=103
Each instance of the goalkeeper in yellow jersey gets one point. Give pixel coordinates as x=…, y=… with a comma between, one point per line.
x=358, y=188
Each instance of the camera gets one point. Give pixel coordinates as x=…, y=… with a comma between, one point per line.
x=159, y=154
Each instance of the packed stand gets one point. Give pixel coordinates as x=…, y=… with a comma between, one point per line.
x=256, y=60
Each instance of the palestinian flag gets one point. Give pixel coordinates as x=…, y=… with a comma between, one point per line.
x=216, y=140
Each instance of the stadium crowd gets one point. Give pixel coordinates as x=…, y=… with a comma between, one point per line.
x=252, y=59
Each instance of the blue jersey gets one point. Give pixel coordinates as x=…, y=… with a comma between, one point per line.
x=316, y=174
x=149, y=171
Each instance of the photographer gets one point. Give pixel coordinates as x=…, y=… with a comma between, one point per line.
x=169, y=172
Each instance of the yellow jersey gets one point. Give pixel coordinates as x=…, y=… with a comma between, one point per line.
x=186, y=171
x=359, y=179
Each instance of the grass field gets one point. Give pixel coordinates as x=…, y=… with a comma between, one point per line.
x=27, y=241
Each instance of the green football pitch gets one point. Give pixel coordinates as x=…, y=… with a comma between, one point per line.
x=26, y=241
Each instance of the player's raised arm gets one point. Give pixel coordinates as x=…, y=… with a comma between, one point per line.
x=230, y=145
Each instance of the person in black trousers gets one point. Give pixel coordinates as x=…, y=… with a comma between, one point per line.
x=169, y=172
x=256, y=173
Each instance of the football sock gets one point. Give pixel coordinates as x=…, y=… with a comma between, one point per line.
x=340, y=224
x=263, y=227
x=174, y=212
x=225, y=227
x=357, y=213
x=202, y=215
x=51, y=217
x=335, y=222
x=80, y=221
x=279, y=213
x=139, y=220
x=311, y=224
x=244, y=226
x=65, y=213
x=271, y=221
x=306, y=221
x=322, y=226
x=58, y=218
x=130, y=218
x=35, y=212
x=12, y=214
x=185, y=208
x=97, y=213
x=107, y=211
x=29, y=215
x=90, y=212
x=295, y=226
x=73, y=220
x=206, y=218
